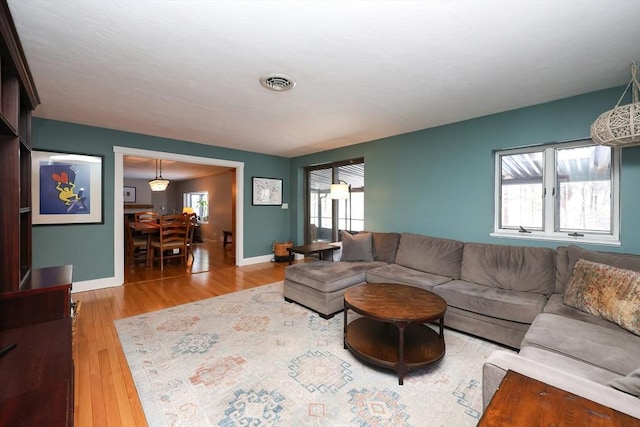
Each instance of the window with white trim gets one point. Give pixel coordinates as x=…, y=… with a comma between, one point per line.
x=563, y=192
x=199, y=202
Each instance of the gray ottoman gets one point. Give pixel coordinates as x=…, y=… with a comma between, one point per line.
x=320, y=285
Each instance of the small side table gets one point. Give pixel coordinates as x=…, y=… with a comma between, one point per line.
x=320, y=248
x=521, y=400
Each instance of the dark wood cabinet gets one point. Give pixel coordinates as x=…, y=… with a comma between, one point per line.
x=44, y=296
x=18, y=97
x=36, y=375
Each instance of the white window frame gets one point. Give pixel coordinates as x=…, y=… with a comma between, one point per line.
x=548, y=232
x=201, y=211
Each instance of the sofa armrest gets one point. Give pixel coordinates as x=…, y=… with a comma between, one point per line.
x=499, y=362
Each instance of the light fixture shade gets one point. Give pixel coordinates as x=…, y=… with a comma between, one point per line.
x=620, y=127
x=340, y=191
x=158, y=184
x=188, y=210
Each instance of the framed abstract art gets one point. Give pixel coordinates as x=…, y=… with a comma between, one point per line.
x=67, y=188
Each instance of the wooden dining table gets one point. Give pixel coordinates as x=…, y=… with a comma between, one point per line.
x=149, y=229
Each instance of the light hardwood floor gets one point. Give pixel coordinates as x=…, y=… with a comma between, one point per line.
x=105, y=394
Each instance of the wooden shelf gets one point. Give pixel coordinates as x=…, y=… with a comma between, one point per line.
x=18, y=97
x=36, y=376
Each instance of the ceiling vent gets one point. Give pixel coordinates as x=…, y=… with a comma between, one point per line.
x=277, y=82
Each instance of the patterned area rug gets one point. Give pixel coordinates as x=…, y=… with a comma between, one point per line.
x=252, y=359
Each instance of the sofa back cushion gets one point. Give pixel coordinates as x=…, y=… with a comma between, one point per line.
x=620, y=260
x=517, y=268
x=385, y=246
x=430, y=254
x=562, y=269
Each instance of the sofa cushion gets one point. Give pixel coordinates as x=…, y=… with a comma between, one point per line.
x=356, y=247
x=394, y=273
x=490, y=301
x=626, y=261
x=562, y=269
x=629, y=384
x=607, y=292
x=609, y=347
x=328, y=276
x=430, y=254
x=556, y=305
x=569, y=365
x=517, y=268
x=385, y=246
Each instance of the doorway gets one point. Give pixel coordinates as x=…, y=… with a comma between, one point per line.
x=238, y=191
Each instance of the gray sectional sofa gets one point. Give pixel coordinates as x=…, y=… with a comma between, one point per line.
x=512, y=295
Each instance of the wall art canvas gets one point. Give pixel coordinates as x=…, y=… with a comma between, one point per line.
x=267, y=191
x=129, y=194
x=67, y=188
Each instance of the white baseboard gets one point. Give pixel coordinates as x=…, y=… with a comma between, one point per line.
x=255, y=260
x=92, y=285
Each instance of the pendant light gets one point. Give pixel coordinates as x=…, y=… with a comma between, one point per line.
x=620, y=127
x=158, y=184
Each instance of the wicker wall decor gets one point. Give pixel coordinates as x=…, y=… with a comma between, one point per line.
x=620, y=127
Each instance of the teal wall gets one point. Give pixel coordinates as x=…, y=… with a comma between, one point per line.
x=90, y=247
x=437, y=181
x=440, y=181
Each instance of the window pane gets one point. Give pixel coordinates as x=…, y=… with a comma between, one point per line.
x=199, y=201
x=320, y=208
x=351, y=211
x=584, y=185
x=521, y=191
x=327, y=216
x=357, y=216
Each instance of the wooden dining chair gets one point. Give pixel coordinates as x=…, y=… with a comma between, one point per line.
x=146, y=216
x=193, y=221
x=136, y=246
x=173, y=234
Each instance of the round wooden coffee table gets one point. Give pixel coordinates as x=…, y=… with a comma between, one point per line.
x=392, y=332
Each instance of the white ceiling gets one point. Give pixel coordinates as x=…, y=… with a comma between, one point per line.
x=190, y=69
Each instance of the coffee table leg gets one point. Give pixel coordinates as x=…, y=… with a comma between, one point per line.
x=401, y=366
x=344, y=337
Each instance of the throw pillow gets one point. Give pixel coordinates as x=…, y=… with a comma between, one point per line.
x=607, y=292
x=385, y=246
x=356, y=247
x=629, y=384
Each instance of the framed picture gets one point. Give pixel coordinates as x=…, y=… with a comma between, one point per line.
x=66, y=188
x=129, y=194
x=267, y=191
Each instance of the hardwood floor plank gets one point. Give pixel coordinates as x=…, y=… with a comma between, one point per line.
x=113, y=359
x=105, y=394
x=98, y=407
x=82, y=392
